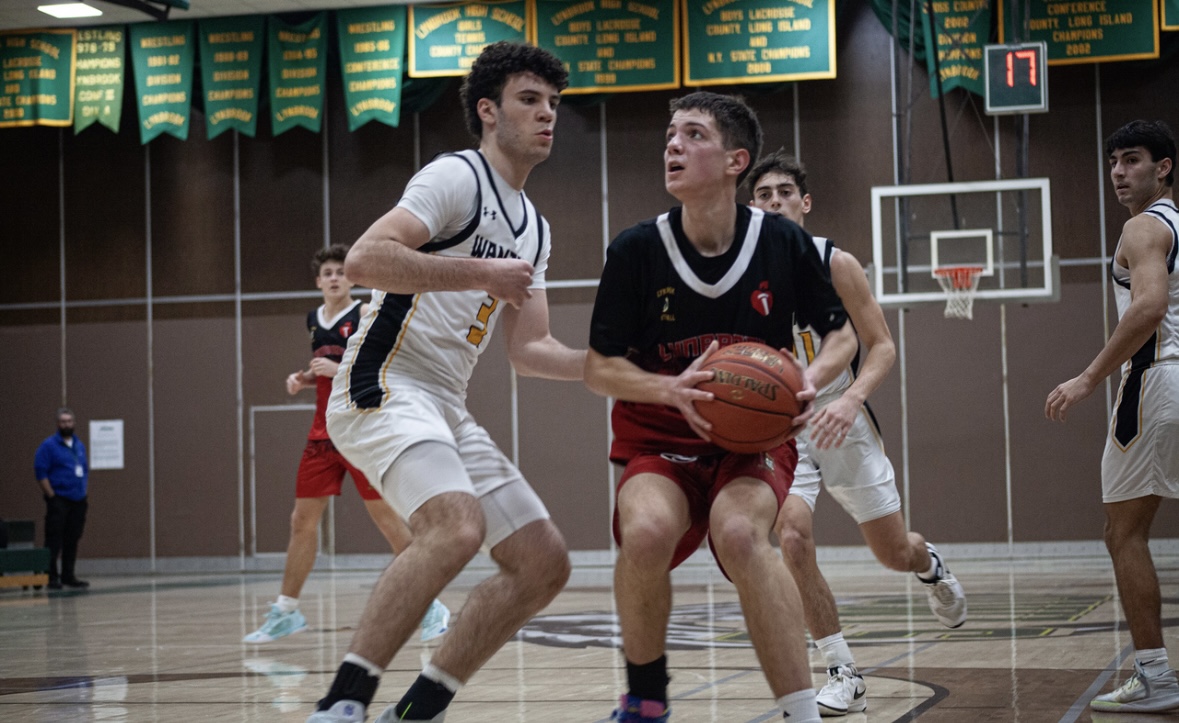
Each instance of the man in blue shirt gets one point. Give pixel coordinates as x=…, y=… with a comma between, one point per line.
x=62, y=471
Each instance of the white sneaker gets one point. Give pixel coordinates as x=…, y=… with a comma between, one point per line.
x=844, y=693
x=389, y=715
x=947, y=599
x=278, y=625
x=1141, y=694
x=436, y=621
x=344, y=711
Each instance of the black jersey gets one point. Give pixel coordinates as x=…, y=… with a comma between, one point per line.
x=329, y=337
x=660, y=303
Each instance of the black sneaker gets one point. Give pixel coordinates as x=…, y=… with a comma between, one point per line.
x=54, y=583
x=74, y=582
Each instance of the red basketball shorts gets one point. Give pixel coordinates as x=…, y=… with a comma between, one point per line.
x=321, y=472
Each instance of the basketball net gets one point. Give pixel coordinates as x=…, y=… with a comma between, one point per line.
x=959, y=283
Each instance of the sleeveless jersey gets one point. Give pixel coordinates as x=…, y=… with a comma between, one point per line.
x=1163, y=345
x=329, y=337
x=437, y=336
x=807, y=341
x=660, y=303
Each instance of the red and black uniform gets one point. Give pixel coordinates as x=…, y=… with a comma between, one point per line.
x=321, y=471
x=660, y=303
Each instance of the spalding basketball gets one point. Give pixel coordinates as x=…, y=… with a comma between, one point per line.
x=754, y=405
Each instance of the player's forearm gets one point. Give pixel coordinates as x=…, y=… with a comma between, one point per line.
x=548, y=358
x=836, y=352
x=621, y=379
x=387, y=265
x=877, y=362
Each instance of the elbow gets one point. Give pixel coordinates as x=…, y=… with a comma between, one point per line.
x=356, y=264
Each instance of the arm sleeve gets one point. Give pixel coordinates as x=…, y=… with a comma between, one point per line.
x=817, y=300
x=442, y=196
x=614, y=325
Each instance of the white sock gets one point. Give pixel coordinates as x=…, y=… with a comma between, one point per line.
x=287, y=604
x=799, y=707
x=1153, y=661
x=835, y=651
x=933, y=574
x=438, y=675
x=372, y=668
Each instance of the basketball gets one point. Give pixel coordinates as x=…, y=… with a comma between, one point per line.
x=754, y=404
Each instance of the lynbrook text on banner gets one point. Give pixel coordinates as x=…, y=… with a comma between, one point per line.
x=444, y=40
x=372, y=44
x=38, y=70
x=298, y=65
x=98, y=80
x=231, y=72
x=758, y=41
x=611, y=46
x=162, y=56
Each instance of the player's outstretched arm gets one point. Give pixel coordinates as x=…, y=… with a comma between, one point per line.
x=615, y=376
x=531, y=347
x=385, y=258
x=1145, y=244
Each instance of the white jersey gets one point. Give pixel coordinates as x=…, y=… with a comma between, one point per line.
x=437, y=336
x=1163, y=346
x=807, y=341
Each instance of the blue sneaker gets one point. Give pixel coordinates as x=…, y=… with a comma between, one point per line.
x=436, y=621
x=635, y=710
x=278, y=625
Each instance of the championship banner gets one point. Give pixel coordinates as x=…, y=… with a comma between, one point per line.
x=444, y=40
x=611, y=46
x=372, y=44
x=758, y=41
x=1084, y=32
x=1170, y=14
x=298, y=64
x=98, y=80
x=38, y=76
x=231, y=73
x=162, y=56
x=963, y=28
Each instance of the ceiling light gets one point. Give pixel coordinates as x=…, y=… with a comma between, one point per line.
x=70, y=10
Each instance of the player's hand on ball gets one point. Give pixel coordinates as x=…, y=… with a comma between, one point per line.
x=685, y=394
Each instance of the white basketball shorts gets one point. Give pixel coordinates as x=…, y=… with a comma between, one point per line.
x=1142, y=448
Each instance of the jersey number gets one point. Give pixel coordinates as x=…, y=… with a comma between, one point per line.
x=478, y=330
x=808, y=346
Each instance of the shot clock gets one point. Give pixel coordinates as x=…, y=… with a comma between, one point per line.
x=1017, y=78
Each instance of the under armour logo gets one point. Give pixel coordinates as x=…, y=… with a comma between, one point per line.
x=490, y=212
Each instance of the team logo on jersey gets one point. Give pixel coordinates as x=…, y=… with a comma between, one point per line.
x=761, y=299
x=346, y=329
x=665, y=311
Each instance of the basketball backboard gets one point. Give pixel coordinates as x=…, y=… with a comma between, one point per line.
x=1004, y=226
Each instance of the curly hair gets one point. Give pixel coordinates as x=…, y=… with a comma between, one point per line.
x=335, y=252
x=1154, y=136
x=736, y=121
x=495, y=65
x=779, y=162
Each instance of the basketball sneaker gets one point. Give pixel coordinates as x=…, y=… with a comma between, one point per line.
x=844, y=693
x=635, y=710
x=436, y=621
x=344, y=711
x=1141, y=694
x=947, y=599
x=389, y=715
x=278, y=625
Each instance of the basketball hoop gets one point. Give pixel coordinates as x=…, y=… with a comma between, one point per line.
x=959, y=283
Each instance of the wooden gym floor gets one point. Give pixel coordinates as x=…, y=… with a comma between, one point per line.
x=1043, y=637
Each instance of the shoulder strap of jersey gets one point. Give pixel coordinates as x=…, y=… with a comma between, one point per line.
x=458, y=238
x=541, y=238
x=1159, y=210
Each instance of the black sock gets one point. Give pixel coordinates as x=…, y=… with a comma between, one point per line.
x=424, y=700
x=649, y=680
x=352, y=683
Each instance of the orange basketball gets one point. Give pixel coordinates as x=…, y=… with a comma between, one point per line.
x=754, y=405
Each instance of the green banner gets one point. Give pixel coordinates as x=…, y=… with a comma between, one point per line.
x=231, y=73
x=162, y=56
x=611, y=46
x=1085, y=32
x=1170, y=14
x=963, y=29
x=98, y=80
x=758, y=41
x=372, y=44
x=445, y=39
x=38, y=76
x=298, y=64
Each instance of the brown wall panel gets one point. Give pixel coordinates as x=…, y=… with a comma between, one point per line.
x=279, y=437
x=107, y=365
x=29, y=212
x=196, y=433
x=636, y=125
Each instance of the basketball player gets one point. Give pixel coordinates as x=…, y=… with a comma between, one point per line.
x=842, y=448
x=706, y=273
x=463, y=246
x=321, y=471
x=1141, y=462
